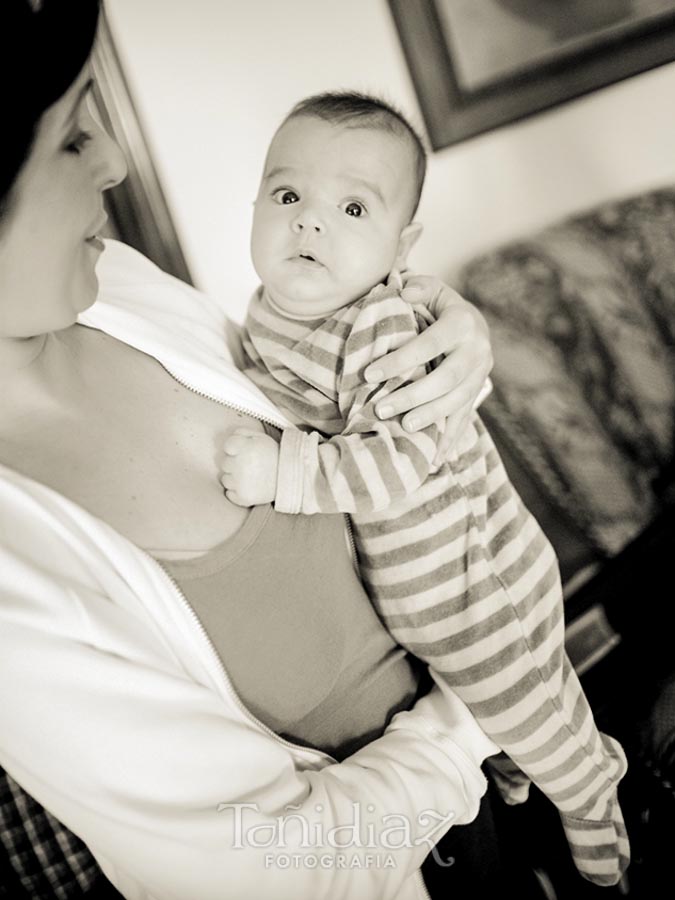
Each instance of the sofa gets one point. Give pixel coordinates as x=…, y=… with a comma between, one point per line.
x=582, y=320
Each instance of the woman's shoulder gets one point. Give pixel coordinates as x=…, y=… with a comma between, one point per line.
x=153, y=311
x=122, y=264
x=186, y=330
x=125, y=275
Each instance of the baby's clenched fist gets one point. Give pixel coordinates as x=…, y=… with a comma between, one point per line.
x=250, y=466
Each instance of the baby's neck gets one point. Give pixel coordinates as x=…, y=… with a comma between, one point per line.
x=393, y=279
x=297, y=317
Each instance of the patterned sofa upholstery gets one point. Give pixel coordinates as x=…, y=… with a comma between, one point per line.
x=582, y=318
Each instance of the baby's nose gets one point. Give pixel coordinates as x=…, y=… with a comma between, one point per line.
x=308, y=220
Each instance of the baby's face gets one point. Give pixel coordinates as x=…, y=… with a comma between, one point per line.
x=331, y=208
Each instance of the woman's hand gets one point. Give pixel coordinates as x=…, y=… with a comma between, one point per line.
x=459, y=335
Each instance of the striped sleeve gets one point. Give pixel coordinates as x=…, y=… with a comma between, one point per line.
x=371, y=463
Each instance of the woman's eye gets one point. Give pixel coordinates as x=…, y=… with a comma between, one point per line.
x=355, y=209
x=79, y=143
x=284, y=196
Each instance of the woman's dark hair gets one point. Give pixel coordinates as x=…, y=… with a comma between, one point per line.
x=43, y=46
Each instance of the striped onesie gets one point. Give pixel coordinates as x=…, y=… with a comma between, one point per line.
x=457, y=568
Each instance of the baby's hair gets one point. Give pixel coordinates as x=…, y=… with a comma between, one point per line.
x=355, y=109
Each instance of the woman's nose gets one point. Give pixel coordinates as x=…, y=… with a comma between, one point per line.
x=112, y=166
x=308, y=219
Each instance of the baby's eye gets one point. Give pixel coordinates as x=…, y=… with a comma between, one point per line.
x=284, y=196
x=353, y=208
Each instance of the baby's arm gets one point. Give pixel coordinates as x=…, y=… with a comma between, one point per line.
x=366, y=467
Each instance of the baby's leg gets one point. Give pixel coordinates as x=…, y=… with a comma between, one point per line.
x=466, y=580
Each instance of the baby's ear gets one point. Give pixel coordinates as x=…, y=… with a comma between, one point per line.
x=407, y=239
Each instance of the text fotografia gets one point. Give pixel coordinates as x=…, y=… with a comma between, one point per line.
x=330, y=861
x=386, y=835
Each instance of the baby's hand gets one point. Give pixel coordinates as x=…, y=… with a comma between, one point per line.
x=250, y=467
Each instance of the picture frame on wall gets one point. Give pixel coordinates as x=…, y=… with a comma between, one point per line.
x=138, y=212
x=477, y=65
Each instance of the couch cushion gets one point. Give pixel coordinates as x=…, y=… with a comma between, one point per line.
x=582, y=318
x=575, y=553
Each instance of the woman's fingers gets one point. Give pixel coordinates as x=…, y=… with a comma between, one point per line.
x=439, y=297
x=426, y=347
x=443, y=392
x=460, y=339
x=423, y=411
x=459, y=329
x=455, y=426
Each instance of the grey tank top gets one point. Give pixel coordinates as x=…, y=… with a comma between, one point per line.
x=296, y=632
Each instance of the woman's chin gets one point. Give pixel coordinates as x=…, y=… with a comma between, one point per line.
x=85, y=292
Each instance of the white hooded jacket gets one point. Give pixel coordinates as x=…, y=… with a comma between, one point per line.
x=117, y=715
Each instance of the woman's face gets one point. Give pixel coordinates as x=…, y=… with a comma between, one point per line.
x=48, y=243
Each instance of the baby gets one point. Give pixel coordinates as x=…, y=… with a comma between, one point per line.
x=458, y=570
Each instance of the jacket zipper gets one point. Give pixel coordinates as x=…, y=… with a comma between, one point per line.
x=423, y=885
x=223, y=671
x=195, y=618
x=275, y=424
x=238, y=701
x=209, y=643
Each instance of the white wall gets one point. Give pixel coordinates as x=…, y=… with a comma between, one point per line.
x=212, y=79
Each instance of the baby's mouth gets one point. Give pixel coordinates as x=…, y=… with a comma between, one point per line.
x=308, y=259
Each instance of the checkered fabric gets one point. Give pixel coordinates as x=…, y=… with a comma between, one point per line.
x=40, y=858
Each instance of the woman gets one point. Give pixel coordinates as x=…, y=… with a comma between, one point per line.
x=121, y=720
